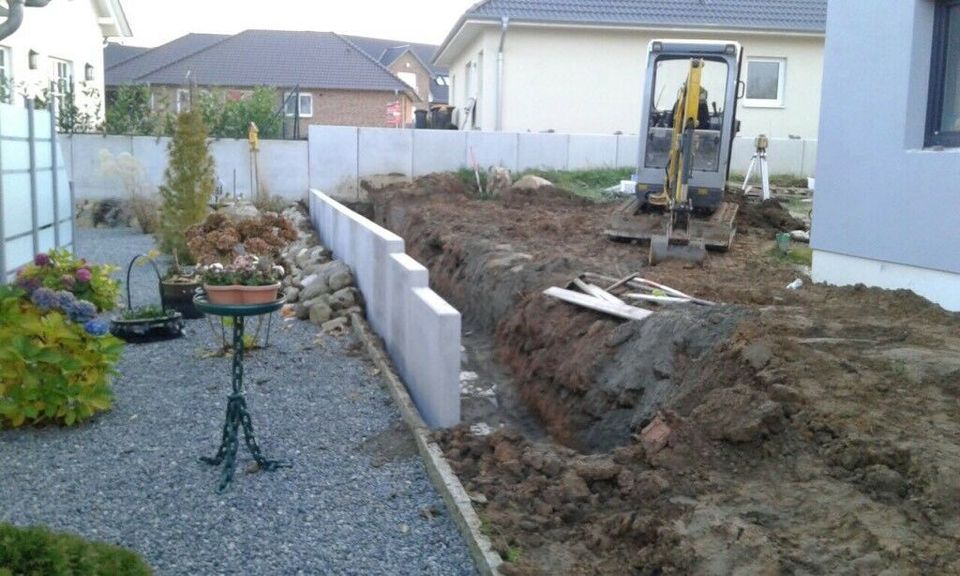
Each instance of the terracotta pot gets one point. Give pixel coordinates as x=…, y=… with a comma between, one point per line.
x=224, y=294
x=259, y=294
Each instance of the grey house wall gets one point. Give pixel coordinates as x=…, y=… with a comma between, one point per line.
x=880, y=194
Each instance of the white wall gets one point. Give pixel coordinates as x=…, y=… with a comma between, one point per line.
x=421, y=331
x=340, y=156
x=882, y=197
x=64, y=29
x=591, y=81
x=283, y=164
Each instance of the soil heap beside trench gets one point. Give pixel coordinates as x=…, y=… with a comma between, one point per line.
x=814, y=431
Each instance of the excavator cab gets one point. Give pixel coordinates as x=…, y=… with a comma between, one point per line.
x=688, y=127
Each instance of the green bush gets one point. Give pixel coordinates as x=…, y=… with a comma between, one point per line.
x=59, y=270
x=188, y=183
x=52, y=369
x=36, y=551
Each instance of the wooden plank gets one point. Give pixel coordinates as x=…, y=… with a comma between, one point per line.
x=596, y=291
x=621, y=282
x=624, y=311
x=647, y=284
x=659, y=299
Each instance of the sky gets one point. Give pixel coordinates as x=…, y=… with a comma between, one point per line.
x=157, y=21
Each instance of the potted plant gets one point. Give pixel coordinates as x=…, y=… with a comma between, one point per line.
x=147, y=323
x=248, y=280
x=178, y=287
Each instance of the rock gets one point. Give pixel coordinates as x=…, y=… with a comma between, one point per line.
x=591, y=471
x=531, y=182
x=885, y=481
x=240, y=211
x=301, y=311
x=320, y=313
x=292, y=294
x=339, y=280
x=573, y=486
x=344, y=298
x=336, y=327
x=800, y=236
x=655, y=436
x=758, y=355
x=313, y=286
x=302, y=259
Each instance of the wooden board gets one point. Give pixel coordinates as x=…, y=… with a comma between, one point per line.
x=624, y=311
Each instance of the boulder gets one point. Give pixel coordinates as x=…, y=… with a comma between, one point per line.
x=292, y=294
x=344, y=298
x=313, y=286
x=320, y=312
x=531, y=182
x=240, y=211
x=340, y=279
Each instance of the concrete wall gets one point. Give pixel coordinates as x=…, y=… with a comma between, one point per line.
x=420, y=330
x=883, y=197
x=581, y=80
x=283, y=164
x=340, y=157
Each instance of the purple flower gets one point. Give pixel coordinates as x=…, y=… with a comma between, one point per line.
x=96, y=327
x=41, y=259
x=28, y=285
x=81, y=311
x=45, y=299
x=65, y=300
x=84, y=275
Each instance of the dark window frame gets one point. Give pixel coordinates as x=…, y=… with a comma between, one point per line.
x=938, y=65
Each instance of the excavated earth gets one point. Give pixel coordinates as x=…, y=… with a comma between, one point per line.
x=810, y=431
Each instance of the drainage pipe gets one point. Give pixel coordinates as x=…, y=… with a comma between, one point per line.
x=504, y=23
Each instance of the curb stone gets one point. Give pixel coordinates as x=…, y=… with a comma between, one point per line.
x=444, y=480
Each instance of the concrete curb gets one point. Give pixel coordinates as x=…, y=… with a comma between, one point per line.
x=444, y=480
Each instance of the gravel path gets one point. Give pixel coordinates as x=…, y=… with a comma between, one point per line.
x=356, y=501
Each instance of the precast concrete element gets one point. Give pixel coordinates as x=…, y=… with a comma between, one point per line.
x=420, y=330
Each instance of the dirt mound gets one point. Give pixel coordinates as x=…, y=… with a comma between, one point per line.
x=543, y=196
x=768, y=215
x=788, y=431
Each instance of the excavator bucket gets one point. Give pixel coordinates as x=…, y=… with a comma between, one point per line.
x=662, y=250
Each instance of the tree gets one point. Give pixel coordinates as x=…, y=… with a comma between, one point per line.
x=188, y=183
x=129, y=112
x=259, y=108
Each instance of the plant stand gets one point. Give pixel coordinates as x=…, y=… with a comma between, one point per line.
x=237, y=413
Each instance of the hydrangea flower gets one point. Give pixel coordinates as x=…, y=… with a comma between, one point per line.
x=28, y=285
x=65, y=300
x=45, y=299
x=96, y=327
x=84, y=275
x=68, y=281
x=81, y=311
x=41, y=259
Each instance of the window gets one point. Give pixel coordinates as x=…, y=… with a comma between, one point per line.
x=943, y=110
x=61, y=80
x=183, y=101
x=765, y=82
x=290, y=105
x=6, y=84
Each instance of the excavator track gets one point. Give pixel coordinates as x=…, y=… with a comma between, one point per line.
x=716, y=232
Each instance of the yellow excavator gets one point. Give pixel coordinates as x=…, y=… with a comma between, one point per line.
x=684, y=153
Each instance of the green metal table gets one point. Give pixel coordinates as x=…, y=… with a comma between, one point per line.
x=237, y=413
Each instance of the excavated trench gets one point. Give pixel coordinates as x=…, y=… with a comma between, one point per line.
x=769, y=435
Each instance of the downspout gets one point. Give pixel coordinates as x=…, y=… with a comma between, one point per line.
x=14, y=18
x=504, y=23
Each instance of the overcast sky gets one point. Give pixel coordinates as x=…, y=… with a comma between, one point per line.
x=157, y=21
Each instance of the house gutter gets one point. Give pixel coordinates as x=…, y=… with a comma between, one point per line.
x=14, y=18
x=504, y=24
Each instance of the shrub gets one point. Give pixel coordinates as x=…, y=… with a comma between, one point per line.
x=36, y=551
x=189, y=182
x=60, y=271
x=56, y=361
x=218, y=239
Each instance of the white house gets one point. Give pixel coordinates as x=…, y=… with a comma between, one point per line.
x=566, y=66
x=61, y=44
x=888, y=176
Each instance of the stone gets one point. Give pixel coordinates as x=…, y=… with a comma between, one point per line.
x=301, y=311
x=340, y=279
x=531, y=182
x=320, y=313
x=240, y=211
x=302, y=259
x=317, y=286
x=573, y=486
x=498, y=181
x=292, y=294
x=655, y=436
x=344, y=298
x=336, y=327
x=800, y=236
x=591, y=471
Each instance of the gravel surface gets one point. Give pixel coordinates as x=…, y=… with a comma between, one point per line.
x=356, y=501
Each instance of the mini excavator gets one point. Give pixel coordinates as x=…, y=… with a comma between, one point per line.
x=684, y=152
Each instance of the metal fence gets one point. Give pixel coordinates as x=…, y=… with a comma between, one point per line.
x=36, y=198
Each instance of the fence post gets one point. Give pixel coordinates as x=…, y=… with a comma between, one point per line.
x=31, y=135
x=3, y=234
x=53, y=176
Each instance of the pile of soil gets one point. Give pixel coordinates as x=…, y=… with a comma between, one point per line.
x=812, y=431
